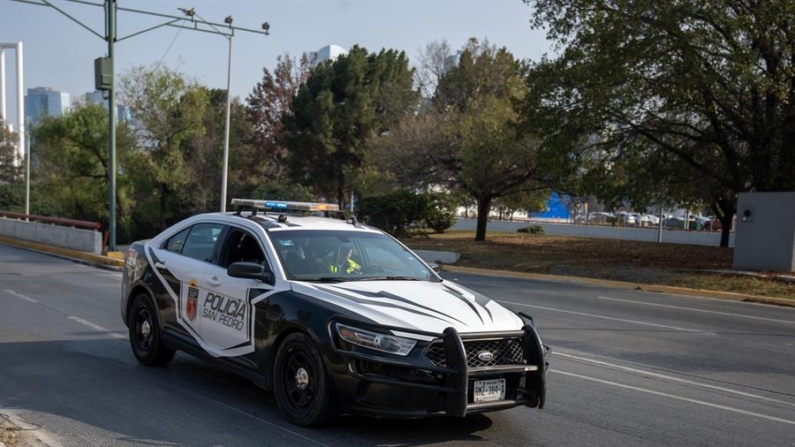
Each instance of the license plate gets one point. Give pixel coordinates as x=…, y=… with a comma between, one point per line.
x=489, y=390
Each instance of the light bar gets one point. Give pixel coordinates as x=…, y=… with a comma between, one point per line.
x=273, y=205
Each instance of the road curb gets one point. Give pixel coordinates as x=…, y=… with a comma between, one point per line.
x=74, y=255
x=625, y=285
x=23, y=434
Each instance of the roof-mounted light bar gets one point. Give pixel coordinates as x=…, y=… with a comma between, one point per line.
x=285, y=206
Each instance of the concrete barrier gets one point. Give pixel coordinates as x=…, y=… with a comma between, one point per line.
x=648, y=234
x=443, y=257
x=89, y=241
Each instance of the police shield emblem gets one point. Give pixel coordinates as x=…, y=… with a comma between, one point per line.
x=193, y=302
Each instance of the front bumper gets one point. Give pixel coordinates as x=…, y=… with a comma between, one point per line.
x=413, y=386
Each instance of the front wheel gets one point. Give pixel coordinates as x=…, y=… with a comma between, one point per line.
x=145, y=338
x=300, y=382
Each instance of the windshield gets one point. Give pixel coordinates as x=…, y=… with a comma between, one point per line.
x=332, y=256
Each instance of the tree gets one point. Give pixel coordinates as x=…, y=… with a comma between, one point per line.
x=72, y=165
x=468, y=141
x=267, y=106
x=342, y=104
x=709, y=83
x=10, y=170
x=169, y=112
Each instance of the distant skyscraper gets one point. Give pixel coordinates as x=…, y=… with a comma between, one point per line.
x=123, y=112
x=329, y=52
x=452, y=61
x=41, y=102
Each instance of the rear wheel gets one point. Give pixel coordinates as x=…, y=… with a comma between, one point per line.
x=145, y=333
x=301, y=383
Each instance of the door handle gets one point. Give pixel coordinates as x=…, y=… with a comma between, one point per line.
x=160, y=265
x=213, y=281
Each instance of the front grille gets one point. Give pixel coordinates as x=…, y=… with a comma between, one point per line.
x=504, y=352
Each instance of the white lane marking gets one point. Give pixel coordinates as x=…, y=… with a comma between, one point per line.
x=675, y=397
x=97, y=327
x=605, y=317
x=699, y=310
x=648, y=373
x=19, y=295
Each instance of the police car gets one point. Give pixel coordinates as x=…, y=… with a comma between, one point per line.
x=332, y=316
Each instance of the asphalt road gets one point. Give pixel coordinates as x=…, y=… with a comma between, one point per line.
x=629, y=369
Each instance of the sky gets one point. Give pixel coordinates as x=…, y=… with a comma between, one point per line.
x=59, y=53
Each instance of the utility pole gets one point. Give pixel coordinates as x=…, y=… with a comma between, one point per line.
x=110, y=36
x=111, y=9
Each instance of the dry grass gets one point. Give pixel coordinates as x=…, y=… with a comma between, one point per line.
x=643, y=262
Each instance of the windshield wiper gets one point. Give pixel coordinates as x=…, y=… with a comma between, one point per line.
x=388, y=278
x=329, y=279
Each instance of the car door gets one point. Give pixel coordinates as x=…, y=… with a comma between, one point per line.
x=184, y=263
x=226, y=305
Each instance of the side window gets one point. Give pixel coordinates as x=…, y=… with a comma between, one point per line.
x=177, y=241
x=241, y=246
x=200, y=243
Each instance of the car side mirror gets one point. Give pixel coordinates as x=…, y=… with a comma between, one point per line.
x=436, y=267
x=250, y=270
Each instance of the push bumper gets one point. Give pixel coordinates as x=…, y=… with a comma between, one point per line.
x=414, y=387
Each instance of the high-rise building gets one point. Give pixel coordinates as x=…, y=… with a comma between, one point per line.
x=41, y=102
x=329, y=52
x=123, y=112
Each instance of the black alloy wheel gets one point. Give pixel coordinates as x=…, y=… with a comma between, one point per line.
x=145, y=333
x=300, y=382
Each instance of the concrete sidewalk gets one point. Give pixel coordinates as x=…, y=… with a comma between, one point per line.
x=113, y=260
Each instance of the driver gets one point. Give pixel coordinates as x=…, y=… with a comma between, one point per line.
x=343, y=262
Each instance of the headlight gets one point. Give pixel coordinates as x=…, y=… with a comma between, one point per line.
x=373, y=340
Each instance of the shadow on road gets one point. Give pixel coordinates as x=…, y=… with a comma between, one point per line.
x=93, y=392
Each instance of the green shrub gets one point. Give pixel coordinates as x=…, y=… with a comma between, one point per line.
x=440, y=214
x=396, y=212
x=404, y=210
x=532, y=229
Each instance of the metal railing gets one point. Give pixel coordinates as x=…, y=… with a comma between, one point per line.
x=52, y=220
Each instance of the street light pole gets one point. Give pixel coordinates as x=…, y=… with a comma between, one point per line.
x=27, y=178
x=110, y=35
x=226, y=130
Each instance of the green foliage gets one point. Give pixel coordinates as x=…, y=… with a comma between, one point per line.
x=401, y=210
x=342, y=104
x=171, y=113
x=532, y=229
x=396, y=212
x=278, y=190
x=70, y=155
x=11, y=181
x=468, y=142
x=705, y=89
x=267, y=106
x=440, y=214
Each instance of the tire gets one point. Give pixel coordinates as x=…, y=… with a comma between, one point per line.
x=301, y=384
x=145, y=339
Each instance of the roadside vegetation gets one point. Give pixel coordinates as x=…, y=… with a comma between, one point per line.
x=675, y=265
x=643, y=104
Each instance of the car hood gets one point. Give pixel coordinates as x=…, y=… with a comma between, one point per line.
x=420, y=305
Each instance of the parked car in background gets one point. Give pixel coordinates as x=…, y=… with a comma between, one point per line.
x=698, y=223
x=601, y=218
x=647, y=220
x=625, y=218
x=674, y=222
x=713, y=224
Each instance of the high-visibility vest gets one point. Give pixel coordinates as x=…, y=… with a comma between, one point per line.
x=352, y=267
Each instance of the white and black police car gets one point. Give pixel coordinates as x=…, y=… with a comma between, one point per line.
x=333, y=316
